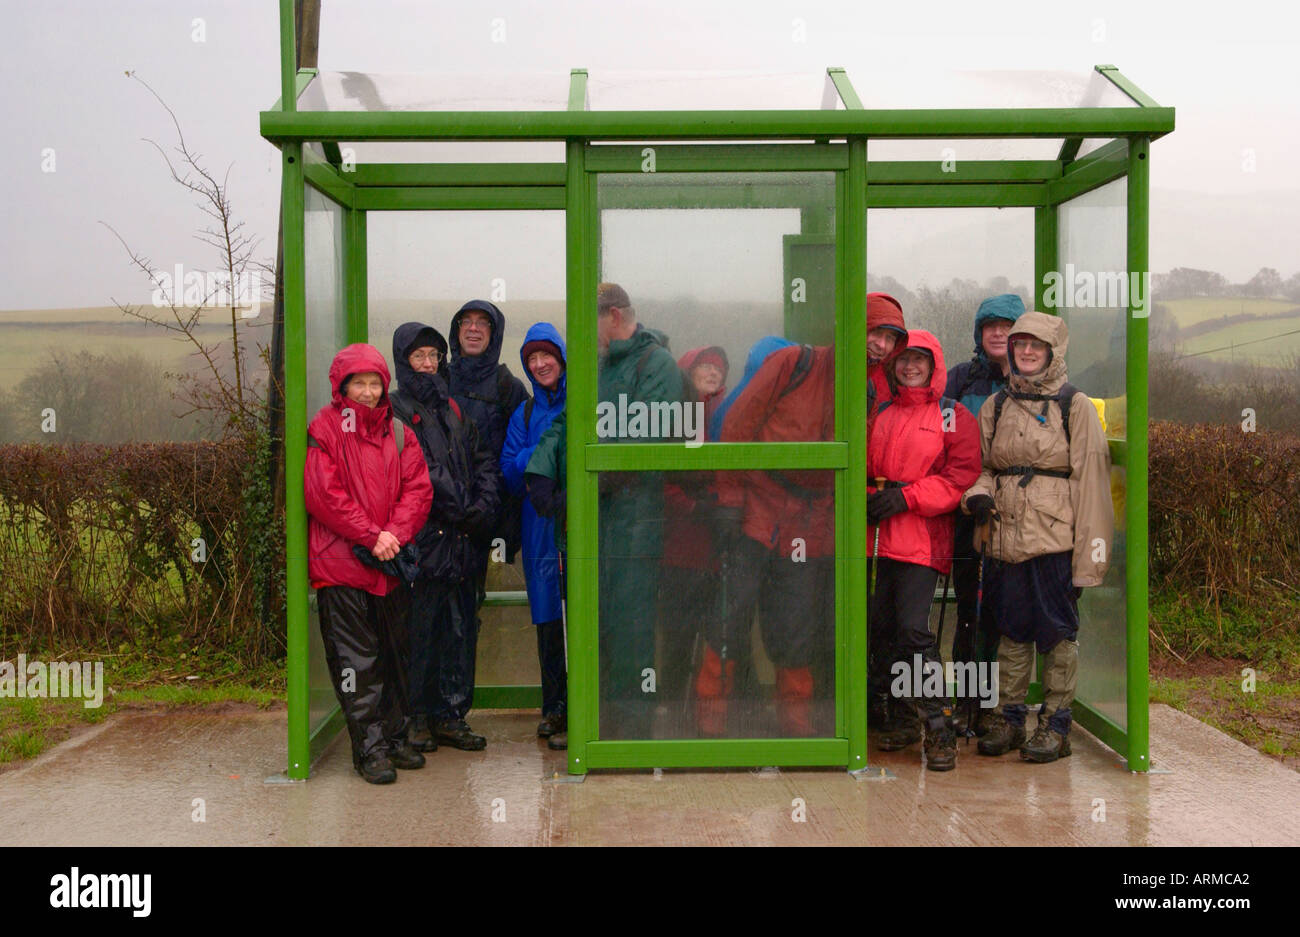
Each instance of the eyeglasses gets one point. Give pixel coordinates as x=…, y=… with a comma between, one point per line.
x=1030, y=344
x=419, y=358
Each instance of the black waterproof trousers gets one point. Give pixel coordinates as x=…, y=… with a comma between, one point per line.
x=899, y=617
x=688, y=603
x=366, y=651
x=550, y=657
x=444, y=644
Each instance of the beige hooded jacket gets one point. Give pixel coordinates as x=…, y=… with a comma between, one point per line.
x=1048, y=515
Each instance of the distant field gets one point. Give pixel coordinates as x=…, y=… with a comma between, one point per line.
x=1191, y=311
x=1268, y=343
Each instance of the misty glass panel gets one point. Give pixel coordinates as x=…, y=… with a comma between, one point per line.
x=719, y=261
x=422, y=267
x=433, y=91
x=955, y=152
x=1094, y=291
x=323, y=249
x=698, y=641
x=941, y=263
x=706, y=91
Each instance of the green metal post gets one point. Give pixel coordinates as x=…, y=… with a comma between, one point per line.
x=295, y=457
x=1135, y=502
x=582, y=234
x=1046, y=250
x=852, y=403
x=355, y=284
x=288, y=58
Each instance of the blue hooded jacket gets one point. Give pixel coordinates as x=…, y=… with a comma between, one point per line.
x=757, y=355
x=541, y=563
x=974, y=381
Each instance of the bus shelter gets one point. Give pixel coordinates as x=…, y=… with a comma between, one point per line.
x=730, y=208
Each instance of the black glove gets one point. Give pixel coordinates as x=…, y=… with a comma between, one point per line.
x=546, y=495
x=404, y=566
x=1078, y=593
x=883, y=504
x=980, y=507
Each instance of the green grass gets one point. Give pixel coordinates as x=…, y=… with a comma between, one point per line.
x=1267, y=719
x=1202, y=309
x=137, y=677
x=1265, y=633
x=1269, y=344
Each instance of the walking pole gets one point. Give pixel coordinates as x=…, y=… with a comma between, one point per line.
x=972, y=705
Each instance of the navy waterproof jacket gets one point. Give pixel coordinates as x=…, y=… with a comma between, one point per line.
x=974, y=381
x=541, y=561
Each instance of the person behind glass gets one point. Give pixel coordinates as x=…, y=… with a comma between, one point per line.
x=971, y=383
x=362, y=488
x=487, y=394
x=1042, y=505
x=688, y=583
x=925, y=453
x=452, y=543
x=543, y=358
x=775, y=531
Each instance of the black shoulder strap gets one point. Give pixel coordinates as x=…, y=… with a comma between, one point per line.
x=998, y=400
x=528, y=413
x=1063, y=398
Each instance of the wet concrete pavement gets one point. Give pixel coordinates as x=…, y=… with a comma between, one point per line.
x=135, y=780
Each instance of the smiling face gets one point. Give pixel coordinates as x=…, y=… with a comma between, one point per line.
x=1030, y=354
x=365, y=388
x=474, y=332
x=545, y=369
x=993, y=339
x=880, y=342
x=913, y=369
x=707, y=378
x=425, y=359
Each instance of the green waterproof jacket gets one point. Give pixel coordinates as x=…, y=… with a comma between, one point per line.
x=638, y=369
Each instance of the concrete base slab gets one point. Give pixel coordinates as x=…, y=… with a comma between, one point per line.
x=200, y=779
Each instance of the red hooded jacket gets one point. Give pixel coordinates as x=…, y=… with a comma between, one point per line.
x=355, y=485
x=909, y=443
x=782, y=506
x=882, y=310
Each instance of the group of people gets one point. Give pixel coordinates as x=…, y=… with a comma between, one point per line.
x=996, y=471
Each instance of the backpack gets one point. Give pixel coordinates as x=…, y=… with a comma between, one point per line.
x=1062, y=398
x=504, y=377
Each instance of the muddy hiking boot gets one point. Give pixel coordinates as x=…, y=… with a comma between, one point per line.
x=941, y=749
x=420, y=737
x=457, y=734
x=1001, y=737
x=377, y=769
x=403, y=755
x=551, y=725
x=558, y=742
x=1046, y=745
x=902, y=728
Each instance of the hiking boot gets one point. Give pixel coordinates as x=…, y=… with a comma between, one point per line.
x=941, y=750
x=403, y=755
x=456, y=733
x=1046, y=745
x=420, y=737
x=1001, y=737
x=559, y=741
x=550, y=725
x=901, y=731
x=377, y=769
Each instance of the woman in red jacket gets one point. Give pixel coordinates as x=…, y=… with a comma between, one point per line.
x=924, y=454
x=362, y=489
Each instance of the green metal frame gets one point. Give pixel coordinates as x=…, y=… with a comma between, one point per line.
x=596, y=143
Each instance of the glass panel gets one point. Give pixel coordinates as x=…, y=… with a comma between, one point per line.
x=941, y=263
x=463, y=151
x=422, y=267
x=698, y=639
x=719, y=260
x=326, y=334
x=995, y=88
x=1091, y=144
x=707, y=91
x=1094, y=299
x=431, y=91
x=959, y=150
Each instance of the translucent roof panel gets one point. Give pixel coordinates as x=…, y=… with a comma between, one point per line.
x=965, y=149
x=982, y=89
x=710, y=91
x=432, y=91
x=455, y=151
